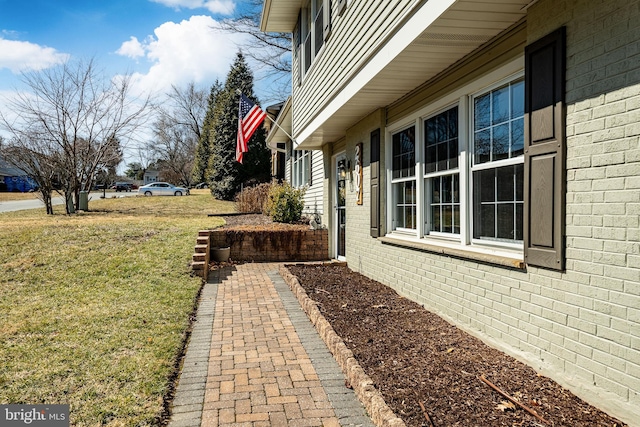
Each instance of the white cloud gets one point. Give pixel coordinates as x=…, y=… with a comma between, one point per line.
x=191, y=50
x=224, y=7
x=20, y=56
x=132, y=48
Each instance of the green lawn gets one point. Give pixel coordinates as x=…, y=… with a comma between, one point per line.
x=93, y=307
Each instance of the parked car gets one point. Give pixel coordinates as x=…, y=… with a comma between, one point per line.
x=162, y=189
x=202, y=185
x=121, y=186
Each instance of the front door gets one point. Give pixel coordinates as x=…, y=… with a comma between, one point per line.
x=340, y=206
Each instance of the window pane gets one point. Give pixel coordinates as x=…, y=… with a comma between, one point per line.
x=441, y=141
x=405, y=207
x=499, y=124
x=443, y=153
x=453, y=153
x=499, y=217
x=505, y=183
x=456, y=189
x=517, y=137
x=517, y=99
x=447, y=219
x=484, y=185
x=482, y=147
x=486, y=222
x=307, y=52
x=456, y=219
x=435, y=218
x=500, y=105
x=519, y=169
x=481, y=112
x=500, y=142
x=435, y=192
x=430, y=159
x=447, y=186
x=404, y=158
x=453, y=122
x=505, y=221
x=444, y=203
x=319, y=30
x=519, y=219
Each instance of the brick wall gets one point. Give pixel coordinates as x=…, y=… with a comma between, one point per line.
x=581, y=326
x=294, y=245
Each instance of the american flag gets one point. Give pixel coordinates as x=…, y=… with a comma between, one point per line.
x=250, y=116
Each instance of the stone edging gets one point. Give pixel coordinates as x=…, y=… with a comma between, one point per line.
x=370, y=397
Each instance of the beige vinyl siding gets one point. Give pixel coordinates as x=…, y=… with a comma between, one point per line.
x=313, y=196
x=367, y=23
x=313, y=202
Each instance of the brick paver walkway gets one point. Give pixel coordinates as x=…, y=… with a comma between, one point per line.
x=266, y=364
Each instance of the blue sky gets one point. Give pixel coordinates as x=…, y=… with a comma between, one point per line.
x=162, y=42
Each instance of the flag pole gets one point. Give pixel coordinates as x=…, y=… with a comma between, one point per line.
x=239, y=93
x=280, y=127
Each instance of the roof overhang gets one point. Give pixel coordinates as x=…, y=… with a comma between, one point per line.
x=281, y=128
x=438, y=34
x=279, y=16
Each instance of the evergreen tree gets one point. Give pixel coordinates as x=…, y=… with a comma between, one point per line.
x=225, y=174
x=203, y=151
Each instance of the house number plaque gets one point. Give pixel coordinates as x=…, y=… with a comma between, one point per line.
x=358, y=171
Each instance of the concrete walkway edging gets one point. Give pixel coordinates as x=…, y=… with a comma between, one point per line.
x=362, y=384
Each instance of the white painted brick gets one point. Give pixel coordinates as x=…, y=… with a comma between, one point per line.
x=604, y=382
x=616, y=259
x=595, y=317
x=632, y=156
x=603, y=284
x=610, y=233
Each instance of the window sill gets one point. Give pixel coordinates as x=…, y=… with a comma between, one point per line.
x=502, y=258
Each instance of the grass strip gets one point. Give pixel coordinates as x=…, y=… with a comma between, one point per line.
x=94, y=306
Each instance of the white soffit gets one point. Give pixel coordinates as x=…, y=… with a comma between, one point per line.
x=279, y=16
x=436, y=36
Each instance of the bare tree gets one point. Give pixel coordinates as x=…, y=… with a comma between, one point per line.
x=77, y=118
x=38, y=161
x=177, y=132
x=271, y=52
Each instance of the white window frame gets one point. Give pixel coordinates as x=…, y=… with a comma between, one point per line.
x=310, y=13
x=300, y=168
x=462, y=97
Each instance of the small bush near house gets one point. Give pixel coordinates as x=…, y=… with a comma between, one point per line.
x=253, y=199
x=285, y=203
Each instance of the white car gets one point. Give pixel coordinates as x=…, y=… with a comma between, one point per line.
x=162, y=189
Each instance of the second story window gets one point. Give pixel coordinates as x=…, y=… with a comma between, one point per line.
x=310, y=33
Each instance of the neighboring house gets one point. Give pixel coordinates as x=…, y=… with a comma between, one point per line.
x=300, y=168
x=498, y=142
x=150, y=175
x=14, y=179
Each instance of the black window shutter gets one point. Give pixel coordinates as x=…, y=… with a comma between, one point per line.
x=544, y=158
x=374, y=171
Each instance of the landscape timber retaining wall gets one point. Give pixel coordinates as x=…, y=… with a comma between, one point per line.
x=261, y=246
x=273, y=245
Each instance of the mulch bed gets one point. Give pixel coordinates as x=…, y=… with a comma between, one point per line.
x=416, y=360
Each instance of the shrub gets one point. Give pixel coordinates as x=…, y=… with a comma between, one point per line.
x=285, y=203
x=253, y=199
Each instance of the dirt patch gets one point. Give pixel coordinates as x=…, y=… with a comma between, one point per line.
x=414, y=357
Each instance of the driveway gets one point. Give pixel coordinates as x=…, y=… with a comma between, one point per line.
x=20, y=205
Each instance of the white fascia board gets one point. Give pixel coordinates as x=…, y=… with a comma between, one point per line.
x=412, y=29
